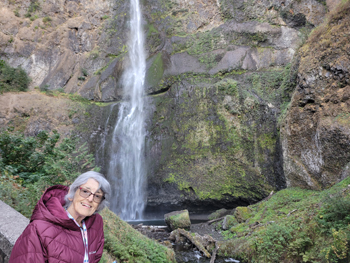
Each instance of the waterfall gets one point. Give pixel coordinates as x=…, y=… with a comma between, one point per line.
x=126, y=169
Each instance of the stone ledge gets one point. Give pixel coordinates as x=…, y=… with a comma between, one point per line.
x=12, y=224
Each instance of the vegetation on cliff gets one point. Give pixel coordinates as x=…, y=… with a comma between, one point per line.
x=12, y=79
x=294, y=225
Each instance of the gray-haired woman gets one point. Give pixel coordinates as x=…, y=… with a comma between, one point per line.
x=65, y=226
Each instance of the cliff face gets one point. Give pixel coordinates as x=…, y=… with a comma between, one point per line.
x=224, y=73
x=65, y=44
x=316, y=140
x=220, y=74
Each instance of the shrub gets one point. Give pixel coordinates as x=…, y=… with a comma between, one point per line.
x=36, y=163
x=16, y=12
x=12, y=79
x=272, y=242
x=335, y=213
x=47, y=19
x=85, y=72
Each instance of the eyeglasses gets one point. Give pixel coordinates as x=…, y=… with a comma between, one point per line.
x=97, y=197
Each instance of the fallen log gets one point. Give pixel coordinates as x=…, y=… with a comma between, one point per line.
x=213, y=256
x=194, y=241
x=215, y=220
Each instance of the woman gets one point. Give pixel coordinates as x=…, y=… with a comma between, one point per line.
x=65, y=226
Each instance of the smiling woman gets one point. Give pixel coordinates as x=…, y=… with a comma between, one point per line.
x=65, y=226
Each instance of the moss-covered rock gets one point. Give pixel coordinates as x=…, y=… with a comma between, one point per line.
x=216, y=142
x=218, y=213
x=242, y=214
x=178, y=219
x=229, y=221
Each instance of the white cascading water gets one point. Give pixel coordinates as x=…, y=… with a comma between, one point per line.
x=126, y=168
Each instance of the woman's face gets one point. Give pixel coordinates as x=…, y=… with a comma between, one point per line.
x=82, y=207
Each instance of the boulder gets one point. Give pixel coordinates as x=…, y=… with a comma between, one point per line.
x=242, y=213
x=178, y=219
x=218, y=213
x=229, y=221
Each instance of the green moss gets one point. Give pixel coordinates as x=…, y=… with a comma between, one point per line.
x=267, y=141
x=156, y=71
x=128, y=245
x=217, y=130
x=229, y=86
x=180, y=220
x=294, y=225
x=242, y=214
x=230, y=221
x=151, y=30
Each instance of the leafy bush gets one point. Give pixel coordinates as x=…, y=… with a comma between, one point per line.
x=12, y=79
x=85, y=72
x=33, y=7
x=335, y=213
x=47, y=19
x=28, y=165
x=272, y=242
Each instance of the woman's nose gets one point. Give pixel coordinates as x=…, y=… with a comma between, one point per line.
x=90, y=198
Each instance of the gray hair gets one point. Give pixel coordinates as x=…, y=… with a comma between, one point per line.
x=82, y=179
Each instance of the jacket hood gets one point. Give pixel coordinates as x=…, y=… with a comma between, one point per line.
x=50, y=208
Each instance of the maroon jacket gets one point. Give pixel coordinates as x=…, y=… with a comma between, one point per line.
x=52, y=237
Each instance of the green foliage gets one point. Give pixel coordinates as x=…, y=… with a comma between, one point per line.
x=12, y=79
x=33, y=7
x=295, y=225
x=335, y=213
x=16, y=12
x=77, y=98
x=272, y=241
x=229, y=86
x=47, y=20
x=128, y=245
x=34, y=158
x=36, y=163
x=255, y=38
x=45, y=88
x=85, y=72
x=32, y=18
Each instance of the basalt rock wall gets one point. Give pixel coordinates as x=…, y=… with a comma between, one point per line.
x=316, y=130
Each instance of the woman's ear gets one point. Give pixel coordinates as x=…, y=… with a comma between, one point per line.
x=70, y=199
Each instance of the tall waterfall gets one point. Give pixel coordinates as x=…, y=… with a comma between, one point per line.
x=126, y=167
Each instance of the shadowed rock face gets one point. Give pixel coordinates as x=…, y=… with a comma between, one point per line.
x=316, y=131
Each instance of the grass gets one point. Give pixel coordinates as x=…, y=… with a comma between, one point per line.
x=295, y=225
x=128, y=245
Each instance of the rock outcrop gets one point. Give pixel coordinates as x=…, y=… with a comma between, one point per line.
x=316, y=131
x=214, y=139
